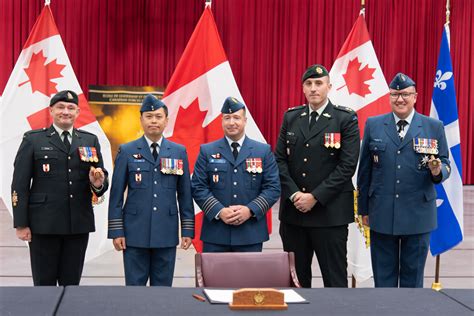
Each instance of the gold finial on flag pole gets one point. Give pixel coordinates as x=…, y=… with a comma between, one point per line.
x=448, y=13
x=362, y=7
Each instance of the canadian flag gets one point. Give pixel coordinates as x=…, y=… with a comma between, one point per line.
x=42, y=69
x=200, y=83
x=358, y=82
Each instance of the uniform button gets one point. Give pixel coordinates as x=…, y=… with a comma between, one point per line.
x=69, y=157
x=155, y=195
x=235, y=195
x=398, y=152
x=155, y=170
x=305, y=160
x=154, y=208
x=69, y=170
x=304, y=174
x=235, y=170
x=215, y=169
x=287, y=141
x=398, y=181
x=396, y=195
x=307, y=145
x=303, y=189
x=46, y=157
x=70, y=182
x=138, y=169
x=235, y=183
x=156, y=182
x=71, y=196
x=399, y=166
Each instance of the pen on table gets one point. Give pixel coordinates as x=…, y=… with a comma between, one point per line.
x=199, y=297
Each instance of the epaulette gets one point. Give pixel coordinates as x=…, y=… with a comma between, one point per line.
x=344, y=108
x=296, y=108
x=34, y=131
x=85, y=132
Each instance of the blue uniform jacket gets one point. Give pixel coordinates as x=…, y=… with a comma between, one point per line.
x=396, y=188
x=149, y=217
x=220, y=181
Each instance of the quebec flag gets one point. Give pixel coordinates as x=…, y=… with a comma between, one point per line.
x=450, y=193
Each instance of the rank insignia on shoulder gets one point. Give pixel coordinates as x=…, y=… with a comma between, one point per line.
x=14, y=198
x=88, y=154
x=216, y=156
x=254, y=165
x=172, y=166
x=332, y=140
x=137, y=156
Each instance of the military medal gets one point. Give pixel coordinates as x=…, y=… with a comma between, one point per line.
x=253, y=165
x=425, y=146
x=46, y=167
x=327, y=140
x=337, y=140
x=88, y=154
x=172, y=166
x=14, y=198
x=95, y=158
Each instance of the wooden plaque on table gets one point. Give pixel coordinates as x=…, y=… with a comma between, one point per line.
x=258, y=299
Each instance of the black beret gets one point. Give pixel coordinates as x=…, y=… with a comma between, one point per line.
x=315, y=71
x=64, y=96
x=401, y=81
x=151, y=103
x=231, y=105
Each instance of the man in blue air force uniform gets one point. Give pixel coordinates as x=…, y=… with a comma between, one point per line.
x=404, y=154
x=235, y=182
x=145, y=227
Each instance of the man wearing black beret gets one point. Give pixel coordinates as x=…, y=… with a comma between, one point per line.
x=317, y=154
x=404, y=154
x=57, y=171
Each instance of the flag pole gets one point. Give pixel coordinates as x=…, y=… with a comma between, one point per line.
x=437, y=284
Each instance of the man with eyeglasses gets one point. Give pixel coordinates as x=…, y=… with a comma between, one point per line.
x=57, y=171
x=404, y=154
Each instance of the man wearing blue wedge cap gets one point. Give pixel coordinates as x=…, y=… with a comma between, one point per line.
x=145, y=224
x=235, y=182
x=404, y=154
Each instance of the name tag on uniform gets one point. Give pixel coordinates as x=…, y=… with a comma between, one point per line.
x=425, y=146
x=212, y=160
x=171, y=166
x=88, y=154
x=332, y=140
x=254, y=165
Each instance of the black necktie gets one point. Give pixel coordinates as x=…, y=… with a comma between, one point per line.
x=66, y=140
x=155, y=152
x=235, y=152
x=314, y=118
x=401, y=127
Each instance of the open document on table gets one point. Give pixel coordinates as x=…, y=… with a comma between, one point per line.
x=225, y=296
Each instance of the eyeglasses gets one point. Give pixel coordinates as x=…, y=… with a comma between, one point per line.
x=405, y=95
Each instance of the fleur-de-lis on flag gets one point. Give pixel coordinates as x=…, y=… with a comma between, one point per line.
x=440, y=78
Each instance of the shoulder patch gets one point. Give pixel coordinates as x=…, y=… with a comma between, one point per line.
x=299, y=107
x=344, y=108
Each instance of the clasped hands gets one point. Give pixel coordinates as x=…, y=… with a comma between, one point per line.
x=304, y=202
x=235, y=214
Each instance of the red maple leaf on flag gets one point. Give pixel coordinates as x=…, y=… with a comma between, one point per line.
x=40, y=74
x=188, y=130
x=355, y=78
